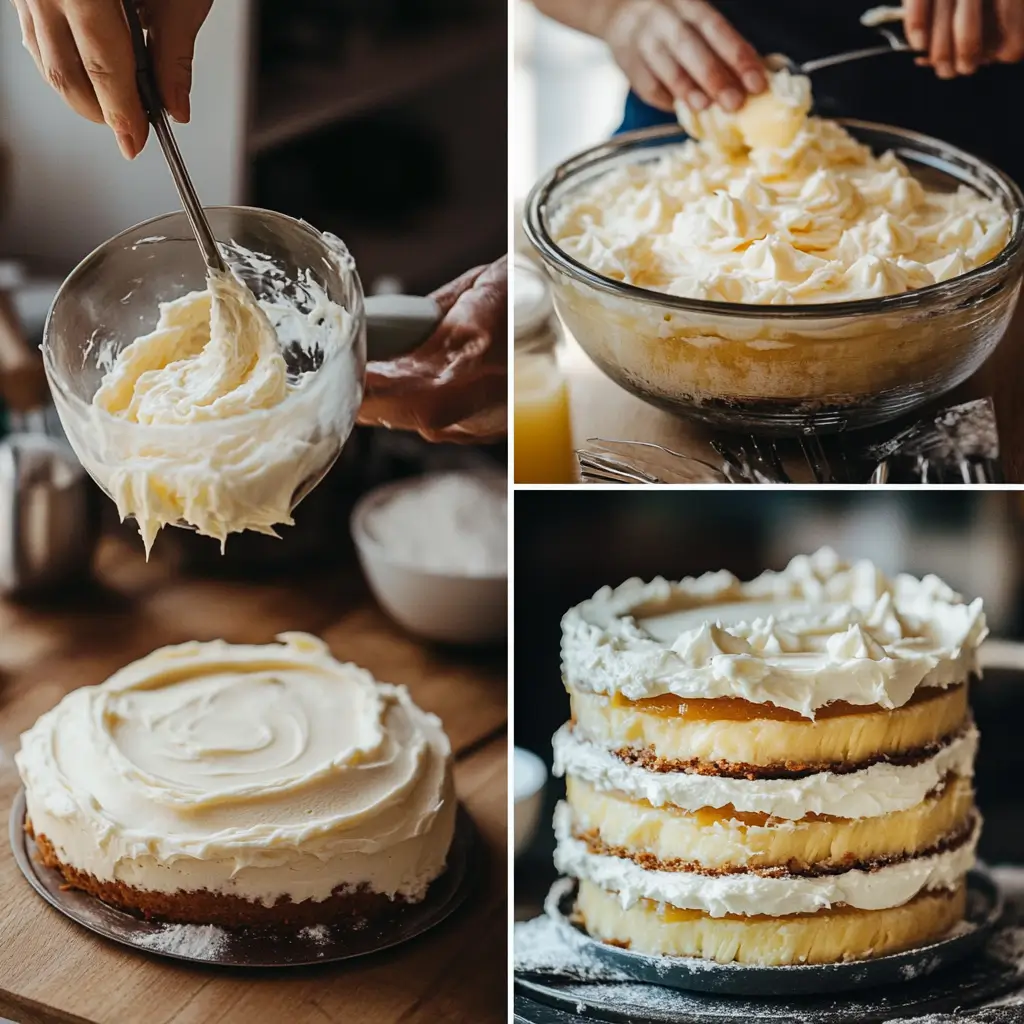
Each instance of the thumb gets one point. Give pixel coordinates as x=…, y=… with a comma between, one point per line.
x=173, y=27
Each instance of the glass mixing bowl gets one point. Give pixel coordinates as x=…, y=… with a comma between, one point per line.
x=113, y=297
x=786, y=369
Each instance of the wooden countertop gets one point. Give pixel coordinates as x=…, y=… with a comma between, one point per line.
x=53, y=970
x=601, y=409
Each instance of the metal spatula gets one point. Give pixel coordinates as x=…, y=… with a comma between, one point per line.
x=154, y=107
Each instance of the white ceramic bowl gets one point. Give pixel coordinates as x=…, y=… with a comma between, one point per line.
x=449, y=607
x=529, y=777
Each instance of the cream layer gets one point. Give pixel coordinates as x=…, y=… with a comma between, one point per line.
x=821, y=743
x=871, y=792
x=728, y=840
x=819, y=631
x=747, y=893
x=261, y=772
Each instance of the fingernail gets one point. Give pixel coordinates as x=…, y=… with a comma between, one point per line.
x=126, y=144
x=965, y=68
x=916, y=38
x=944, y=70
x=731, y=99
x=754, y=81
x=181, y=104
x=697, y=101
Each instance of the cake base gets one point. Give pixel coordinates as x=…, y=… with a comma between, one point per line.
x=255, y=946
x=827, y=937
x=351, y=908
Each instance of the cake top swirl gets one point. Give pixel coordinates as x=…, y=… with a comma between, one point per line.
x=819, y=631
x=247, y=754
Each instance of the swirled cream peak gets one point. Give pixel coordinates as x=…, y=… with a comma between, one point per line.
x=770, y=206
x=819, y=631
x=256, y=771
x=199, y=422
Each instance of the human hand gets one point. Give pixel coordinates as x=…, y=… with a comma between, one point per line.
x=454, y=387
x=961, y=35
x=683, y=50
x=83, y=49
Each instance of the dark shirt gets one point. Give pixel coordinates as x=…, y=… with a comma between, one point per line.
x=978, y=113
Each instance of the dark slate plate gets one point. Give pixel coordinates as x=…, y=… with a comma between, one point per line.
x=257, y=947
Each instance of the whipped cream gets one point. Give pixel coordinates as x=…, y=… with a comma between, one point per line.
x=253, y=771
x=201, y=422
x=870, y=792
x=773, y=207
x=821, y=630
x=748, y=893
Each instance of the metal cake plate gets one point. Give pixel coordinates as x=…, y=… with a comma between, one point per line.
x=931, y=981
x=254, y=947
x=984, y=910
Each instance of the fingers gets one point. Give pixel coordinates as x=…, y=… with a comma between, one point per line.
x=173, y=27
x=714, y=77
x=968, y=36
x=1009, y=16
x=917, y=23
x=61, y=66
x=672, y=81
x=730, y=46
x=104, y=45
x=940, y=53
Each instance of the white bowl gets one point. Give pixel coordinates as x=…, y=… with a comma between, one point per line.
x=449, y=607
x=529, y=777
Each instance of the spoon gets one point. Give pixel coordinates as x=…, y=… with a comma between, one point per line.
x=154, y=107
x=893, y=44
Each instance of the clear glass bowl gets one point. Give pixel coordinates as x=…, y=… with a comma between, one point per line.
x=113, y=297
x=786, y=369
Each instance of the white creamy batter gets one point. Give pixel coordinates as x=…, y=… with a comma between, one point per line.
x=254, y=771
x=821, y=630
x=772, y=206
x=200, y=422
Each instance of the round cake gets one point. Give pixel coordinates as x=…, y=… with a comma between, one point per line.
x=770, y=772
x=213, y=783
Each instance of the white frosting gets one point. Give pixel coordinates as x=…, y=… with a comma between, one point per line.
x=807, y=215
x=749, y=893
x=254, y=771
x=821, y=630
x=871, y=792
x=199, y=422
x=875, y=16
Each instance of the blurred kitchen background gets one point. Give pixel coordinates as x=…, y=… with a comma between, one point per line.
x=568, y=544
x=383, y=122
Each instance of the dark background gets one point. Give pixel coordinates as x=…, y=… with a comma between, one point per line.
x=570, y=543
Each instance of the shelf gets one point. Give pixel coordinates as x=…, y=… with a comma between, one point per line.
x=439, y=246
x=296, y=101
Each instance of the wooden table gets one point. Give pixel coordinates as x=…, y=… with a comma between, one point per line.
x=53, y=970
x=601, y=409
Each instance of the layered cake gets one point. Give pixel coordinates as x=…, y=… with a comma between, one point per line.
x=242, y=785
x=770, y=772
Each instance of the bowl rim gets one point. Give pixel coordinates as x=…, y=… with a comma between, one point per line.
x=54, y=378
x=366, y=543
x=555, y=258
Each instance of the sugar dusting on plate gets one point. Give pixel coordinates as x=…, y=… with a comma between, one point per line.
x=195, y=941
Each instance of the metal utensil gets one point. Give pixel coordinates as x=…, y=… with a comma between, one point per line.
x=154, y=107
x=49, y=518
x=893, y=44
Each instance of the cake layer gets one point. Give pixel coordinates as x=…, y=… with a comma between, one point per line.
x=828, y=936
x=266, y=773
x=726, y=839
x=878, y=789
x=818, y=632
x=749, y=892
x=676, y=741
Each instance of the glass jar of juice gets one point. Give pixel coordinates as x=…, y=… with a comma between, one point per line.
x=541, y=423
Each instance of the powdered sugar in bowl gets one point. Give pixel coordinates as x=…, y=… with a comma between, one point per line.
x=434, y=549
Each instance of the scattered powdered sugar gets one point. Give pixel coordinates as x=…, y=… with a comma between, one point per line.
x=318, y=933
x=543, y=946
x=196, y=941
x=455, y=523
